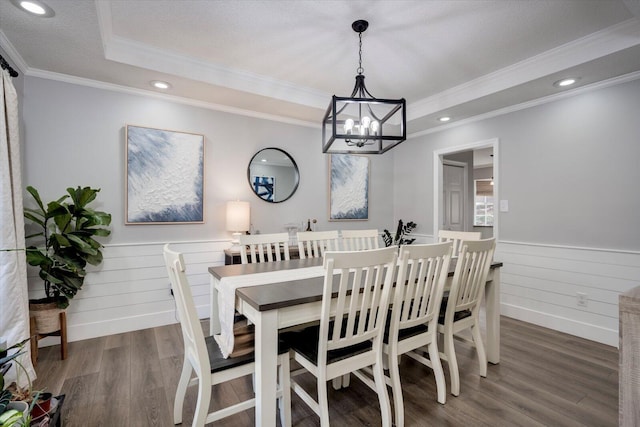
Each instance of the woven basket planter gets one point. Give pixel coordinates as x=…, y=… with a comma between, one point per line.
x=47, y=317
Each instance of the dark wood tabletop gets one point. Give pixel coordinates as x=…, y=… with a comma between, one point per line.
x=223, y=271
x=288, y=293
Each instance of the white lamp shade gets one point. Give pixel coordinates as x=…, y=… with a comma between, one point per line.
x=238, y=216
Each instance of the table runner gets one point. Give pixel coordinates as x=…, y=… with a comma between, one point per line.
x=227, y=297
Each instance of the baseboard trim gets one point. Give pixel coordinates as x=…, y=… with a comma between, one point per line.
x=562, y=324
x=118, y=326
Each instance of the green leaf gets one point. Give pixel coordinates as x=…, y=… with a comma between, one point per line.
x=101, y=232
x=35, y=216
x=37, y=258
x=59, y=239
x=82, y=196
x=36, y=196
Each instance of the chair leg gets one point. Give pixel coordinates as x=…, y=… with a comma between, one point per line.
x=323, y=401
x=181, y=391
x=202, y=404
x=396, y=387
x=450, y=352
x=438, y=372
x=381, y=389
x=285, y=385
x=482, y=355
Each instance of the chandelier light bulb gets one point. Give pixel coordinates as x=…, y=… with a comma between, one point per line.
x=375, y=127
x=366, y=121
x=348, y=126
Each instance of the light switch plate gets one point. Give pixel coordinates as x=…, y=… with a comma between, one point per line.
x=504, y=206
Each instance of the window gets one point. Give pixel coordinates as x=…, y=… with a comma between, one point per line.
x=483, y=210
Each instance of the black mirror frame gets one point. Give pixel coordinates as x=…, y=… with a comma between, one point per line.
x=295, y=166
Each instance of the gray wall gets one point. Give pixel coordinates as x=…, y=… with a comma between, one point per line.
x=569, y=170
x=75, y=136
x=547, y=158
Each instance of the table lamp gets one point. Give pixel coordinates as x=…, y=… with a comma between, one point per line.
x=238, y=219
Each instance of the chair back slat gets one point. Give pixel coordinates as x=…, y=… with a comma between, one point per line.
x=360, y=240
x=313, y=244
x=264, y=247
x=422, y=275
x=194, y=342
x=471, y=273
x=456, y=237
x=361, y=283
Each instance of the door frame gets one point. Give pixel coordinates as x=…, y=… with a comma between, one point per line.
x=438, y=158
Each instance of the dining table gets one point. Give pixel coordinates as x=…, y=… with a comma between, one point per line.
x=282, y=294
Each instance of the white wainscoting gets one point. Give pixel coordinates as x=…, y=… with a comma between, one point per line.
x=131, y=290
x=540, y=285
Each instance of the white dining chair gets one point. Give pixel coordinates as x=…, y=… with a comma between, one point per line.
x=456, y=237
x=203, y=357
x=461, y=307
x=413, y=317
x=359, y=240
x=357, y=284
x=264, y=247
x=312, y=244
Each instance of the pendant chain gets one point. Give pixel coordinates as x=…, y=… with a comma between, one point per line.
x=360, y=69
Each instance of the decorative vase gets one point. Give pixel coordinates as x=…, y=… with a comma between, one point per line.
x=47, y=316
x=20, y=406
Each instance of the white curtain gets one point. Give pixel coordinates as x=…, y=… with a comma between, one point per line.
x=14, y=300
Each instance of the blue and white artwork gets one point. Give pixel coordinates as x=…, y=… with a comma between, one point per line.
x=264, y=187
x=165, y=176
x=349, y=187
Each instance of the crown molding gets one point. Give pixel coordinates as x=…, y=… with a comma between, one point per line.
x=141, y=55
x=48, y=75
x=533, y=103
x=13, y=54
x=601, y=43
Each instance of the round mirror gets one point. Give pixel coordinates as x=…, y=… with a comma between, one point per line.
x=273, y=175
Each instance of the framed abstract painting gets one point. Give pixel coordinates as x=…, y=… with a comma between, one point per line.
x=348, y=187
x=165, y=176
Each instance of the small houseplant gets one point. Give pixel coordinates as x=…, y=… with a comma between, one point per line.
x=400, y=236
x=14, y=401
x=66, y=229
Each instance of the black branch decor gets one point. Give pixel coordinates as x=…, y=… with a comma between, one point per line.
x=400, y=236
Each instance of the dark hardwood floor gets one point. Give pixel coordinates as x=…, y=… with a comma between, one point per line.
x=545, y=378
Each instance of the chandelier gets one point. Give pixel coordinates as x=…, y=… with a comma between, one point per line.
x=361, y=123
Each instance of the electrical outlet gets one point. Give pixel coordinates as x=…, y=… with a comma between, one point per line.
x=581, y=299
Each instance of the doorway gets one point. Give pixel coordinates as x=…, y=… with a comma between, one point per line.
x=442, y=205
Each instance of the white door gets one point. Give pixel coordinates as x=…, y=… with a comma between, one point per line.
x=454, y=186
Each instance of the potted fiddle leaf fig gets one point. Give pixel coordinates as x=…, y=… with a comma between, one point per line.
x=66, y=232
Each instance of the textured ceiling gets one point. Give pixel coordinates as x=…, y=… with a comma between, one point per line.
x=284, y=59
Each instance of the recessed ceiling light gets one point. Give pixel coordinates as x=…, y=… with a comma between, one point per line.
x=444, y=119
x=263, y=160
x=566, y=82
x=158, y=84
x=35, y=7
